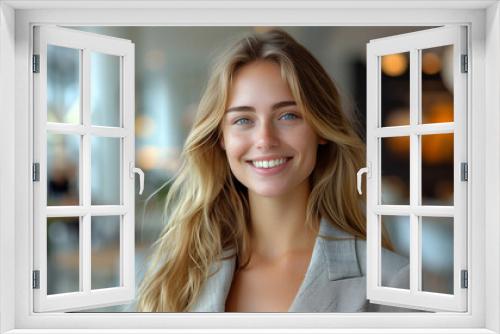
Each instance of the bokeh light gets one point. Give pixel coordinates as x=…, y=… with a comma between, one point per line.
x=431, y=63
x=394, y=65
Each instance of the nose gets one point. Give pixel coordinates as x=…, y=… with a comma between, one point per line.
x=267, y=136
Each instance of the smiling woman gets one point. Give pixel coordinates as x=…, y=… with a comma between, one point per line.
x=270, y=148
x=264, y=215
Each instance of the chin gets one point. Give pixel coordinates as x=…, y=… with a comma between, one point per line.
x=270, y=192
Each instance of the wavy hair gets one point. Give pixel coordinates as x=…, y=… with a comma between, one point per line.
x=207, y=208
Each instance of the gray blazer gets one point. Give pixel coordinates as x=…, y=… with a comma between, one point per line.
x=335, y=280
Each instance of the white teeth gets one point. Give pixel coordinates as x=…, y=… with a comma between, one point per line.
x=268, y=163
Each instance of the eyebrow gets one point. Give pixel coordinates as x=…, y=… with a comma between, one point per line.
x=276, y=106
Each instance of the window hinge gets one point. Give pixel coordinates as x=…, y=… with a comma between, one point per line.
x=36, y=171
x=465, y=66
x=464, y=171
x=465, y=279
x=36, y=63
x=36, y=279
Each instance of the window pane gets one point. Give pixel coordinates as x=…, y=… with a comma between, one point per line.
x=105, y=89
x=395, y=169
x=105, y=252
x=395, y=90
x=437, y=169
x=106, y=171
x=63, y=259
x=397, y=228
x=437, y=84
x=437, y=254
x=63, y=84
x=63, y=159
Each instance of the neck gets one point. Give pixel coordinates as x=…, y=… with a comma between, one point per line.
x=278, y=224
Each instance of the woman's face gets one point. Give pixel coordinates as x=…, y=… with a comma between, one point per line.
x=270, y=147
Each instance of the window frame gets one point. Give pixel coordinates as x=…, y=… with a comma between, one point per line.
x=86, y=44
x=16, y=21
x=414, y=43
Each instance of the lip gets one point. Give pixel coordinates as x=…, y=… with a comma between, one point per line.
x=269, y=157
x=269, y=171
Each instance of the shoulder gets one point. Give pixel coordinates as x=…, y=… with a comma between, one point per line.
x=391, y=261
x=215, y=289
x=342, y=248
x=395, y=267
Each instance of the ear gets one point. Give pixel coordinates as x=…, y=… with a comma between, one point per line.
x=322, y=141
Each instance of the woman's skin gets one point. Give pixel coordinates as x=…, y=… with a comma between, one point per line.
x=263, y=123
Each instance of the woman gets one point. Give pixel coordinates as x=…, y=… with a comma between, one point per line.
x=264, y=215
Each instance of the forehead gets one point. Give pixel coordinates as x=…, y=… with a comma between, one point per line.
x=258, y=81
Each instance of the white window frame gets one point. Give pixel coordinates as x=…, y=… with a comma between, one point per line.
x=85, y=44
x=413, y=44
x=16, y=213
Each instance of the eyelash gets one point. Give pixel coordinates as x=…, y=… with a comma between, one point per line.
x=245, y=121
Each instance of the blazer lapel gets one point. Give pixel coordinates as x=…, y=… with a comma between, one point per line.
x=332, y=260
x=214, y=292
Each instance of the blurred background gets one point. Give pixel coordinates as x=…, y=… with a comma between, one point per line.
x=171, y=70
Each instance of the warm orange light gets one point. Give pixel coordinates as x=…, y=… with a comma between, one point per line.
x=394, y=65
x=147, y=157
x=431, y=63
x=437, y=149
x=399, y=146
x=439, y=112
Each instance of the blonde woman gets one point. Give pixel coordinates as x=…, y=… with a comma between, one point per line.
x=264, y=214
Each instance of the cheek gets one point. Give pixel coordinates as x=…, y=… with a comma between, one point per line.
x=306, y=141
x=308, y=145
x=235, y=146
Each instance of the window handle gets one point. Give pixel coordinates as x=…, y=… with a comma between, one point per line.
x=139, y=171
x=360, y=173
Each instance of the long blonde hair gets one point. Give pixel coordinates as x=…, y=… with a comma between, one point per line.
x=207, y=208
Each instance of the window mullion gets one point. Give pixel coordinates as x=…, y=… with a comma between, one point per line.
x=85, y=254
x=414, y=170
x=420, y=129
x=421, y=210
x=123, y=180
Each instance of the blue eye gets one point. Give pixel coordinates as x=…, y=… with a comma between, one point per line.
x=289, y=117
x=242, y=121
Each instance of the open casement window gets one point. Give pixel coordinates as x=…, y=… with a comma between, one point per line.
x=83, y=171
x=411, y=143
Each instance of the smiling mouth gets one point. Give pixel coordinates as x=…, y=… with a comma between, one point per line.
x=266, y=164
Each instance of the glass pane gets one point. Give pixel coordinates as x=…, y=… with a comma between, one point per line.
x=106, y=171
x=395, y=89
x=437, y=169
x=397, y=229
x=105, y=89
x=395, y=169
x=63, y=159
x=63, y=255
x=437, y=84
x=437, y=254
x=63, y=84
x=105, y=252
